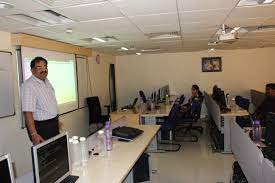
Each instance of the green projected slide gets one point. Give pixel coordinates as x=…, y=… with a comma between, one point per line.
x=62, y=76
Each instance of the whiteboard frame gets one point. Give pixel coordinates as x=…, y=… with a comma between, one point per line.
x=13, y=114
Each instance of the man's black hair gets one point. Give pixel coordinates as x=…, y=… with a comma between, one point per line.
x=36, y=60
x=270, y=85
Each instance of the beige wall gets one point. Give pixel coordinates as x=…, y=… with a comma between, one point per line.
x=99, y=76
x=241, y=71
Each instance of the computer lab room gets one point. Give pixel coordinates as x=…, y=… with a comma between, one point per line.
x=137, y=91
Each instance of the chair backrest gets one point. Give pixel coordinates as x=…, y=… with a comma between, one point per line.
x=94, y=109
x=171, y=122
x=196, y=108
x=142, y=95
x=182, y=98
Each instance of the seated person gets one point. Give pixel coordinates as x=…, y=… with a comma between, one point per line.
x=195, y=99
x=268, y=105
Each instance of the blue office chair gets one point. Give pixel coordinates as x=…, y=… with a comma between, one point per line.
x=185, y=125
x=168, y=127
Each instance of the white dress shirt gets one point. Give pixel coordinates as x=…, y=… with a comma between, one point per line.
x=39, y=97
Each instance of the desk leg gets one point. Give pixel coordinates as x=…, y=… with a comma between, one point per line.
x=153, y=147
x=227, y=143
x=129, y=178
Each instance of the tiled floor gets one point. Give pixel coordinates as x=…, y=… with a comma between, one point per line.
x=194, y=163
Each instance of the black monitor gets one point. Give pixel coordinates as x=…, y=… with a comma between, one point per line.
x=6, y=171
x=219, y=96
x=51, y=162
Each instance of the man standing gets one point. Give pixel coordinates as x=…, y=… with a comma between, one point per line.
x=39, y=104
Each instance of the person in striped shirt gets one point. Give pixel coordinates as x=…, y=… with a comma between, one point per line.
x=39, y=103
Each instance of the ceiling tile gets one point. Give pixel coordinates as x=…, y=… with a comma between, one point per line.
x=95, y=11
x=245, y=22
x=144, y=7
x=191, y=5
x=253, y=12
x=156, y=19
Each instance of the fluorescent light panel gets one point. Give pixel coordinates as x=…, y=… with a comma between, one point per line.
x=254, y=2
x=98, y=39
x=123, y=48
x=4, y=5
x=138, y=53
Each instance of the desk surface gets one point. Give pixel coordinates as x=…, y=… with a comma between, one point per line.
x=115, y=166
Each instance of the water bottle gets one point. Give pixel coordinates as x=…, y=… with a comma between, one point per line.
x=101, y=143
x=257, y=131
x=76, y=155
x=71, y=150
x=108, y=135
x=167, y=99
x=84, y=151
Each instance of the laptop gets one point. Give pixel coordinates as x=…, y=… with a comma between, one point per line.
x=6, y=171
x=126, y=133
x=131, y=106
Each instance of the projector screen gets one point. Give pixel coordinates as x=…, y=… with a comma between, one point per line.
x=61, y=74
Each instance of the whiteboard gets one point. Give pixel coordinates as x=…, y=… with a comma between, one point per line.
x=6, y=85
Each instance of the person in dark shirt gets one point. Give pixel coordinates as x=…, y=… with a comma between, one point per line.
x=268, y=105
x=195, y=99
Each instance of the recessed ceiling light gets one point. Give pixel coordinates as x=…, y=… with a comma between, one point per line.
x=98, y=39
x=138, y=53
x=69, y=30
x=4, y=5
x=212, y=49
x=123, y=48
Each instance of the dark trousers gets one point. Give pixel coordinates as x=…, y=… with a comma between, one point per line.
x=47, y=128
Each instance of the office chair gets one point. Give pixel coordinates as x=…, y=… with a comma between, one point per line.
x=168, y=127
x=142, y=95
x=243, y=121
x=95, y=113
x=185, y=125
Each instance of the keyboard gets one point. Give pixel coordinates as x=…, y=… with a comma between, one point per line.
x=127, y=133
x=269, y=153
x=70, y=179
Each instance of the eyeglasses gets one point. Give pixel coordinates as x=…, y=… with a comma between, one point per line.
x=41, y=67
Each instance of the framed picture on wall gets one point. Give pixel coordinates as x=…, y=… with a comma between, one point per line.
x=211, y=64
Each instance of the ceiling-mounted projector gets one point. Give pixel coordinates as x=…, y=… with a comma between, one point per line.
x=228, y=36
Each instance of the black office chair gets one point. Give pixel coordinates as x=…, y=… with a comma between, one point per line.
x=168, y=127
x=185, y=125
x=95, y=113
x=142, y=95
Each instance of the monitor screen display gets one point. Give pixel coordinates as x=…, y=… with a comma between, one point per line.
x=6, y=173
x=51, y=160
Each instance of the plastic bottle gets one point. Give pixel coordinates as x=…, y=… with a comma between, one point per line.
x=71, y=150
x=167, y=99
x=76, y=155
x=257, y=131
x=84, y=151
x=108, y=135
x=101, y=144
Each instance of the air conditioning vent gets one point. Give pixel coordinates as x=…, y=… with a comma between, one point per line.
x=51, y=17
x=163, y=35
x=28, y=19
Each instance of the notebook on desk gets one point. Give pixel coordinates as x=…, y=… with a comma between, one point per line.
x=126, y=133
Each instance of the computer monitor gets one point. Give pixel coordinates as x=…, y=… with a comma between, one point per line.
x=135, y=102
x=51, y=162
x=6, y=171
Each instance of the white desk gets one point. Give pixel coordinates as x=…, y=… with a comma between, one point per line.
x=256, y=168
x=118, y=163
x=223, y=120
